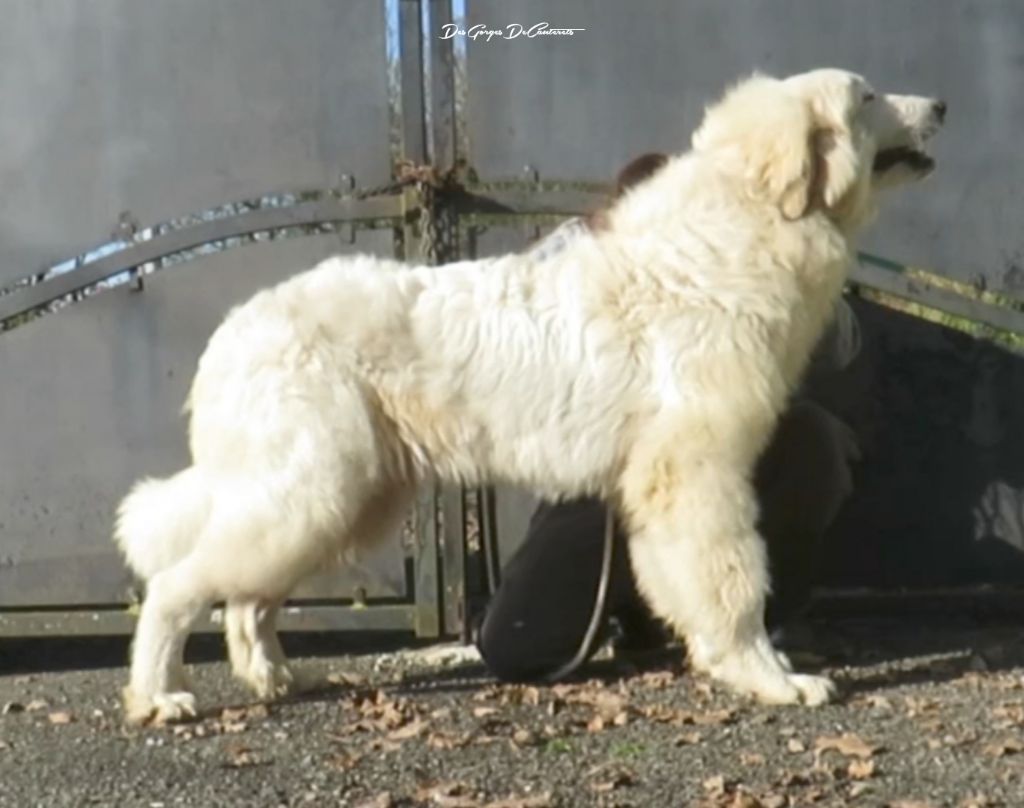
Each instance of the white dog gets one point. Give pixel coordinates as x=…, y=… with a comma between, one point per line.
x=645, y=363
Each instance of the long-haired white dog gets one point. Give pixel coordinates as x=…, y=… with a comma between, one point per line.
x=645, y=363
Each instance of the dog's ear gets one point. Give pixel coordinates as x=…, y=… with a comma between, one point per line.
x=765, y=135
x=836, y=164
x=833, y=100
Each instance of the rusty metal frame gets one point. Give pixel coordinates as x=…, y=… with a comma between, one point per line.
x=341, y=616
x=429, y=135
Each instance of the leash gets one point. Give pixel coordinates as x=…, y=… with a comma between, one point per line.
x=597, y=615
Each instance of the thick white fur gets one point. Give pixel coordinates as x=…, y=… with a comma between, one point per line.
x=646, y=362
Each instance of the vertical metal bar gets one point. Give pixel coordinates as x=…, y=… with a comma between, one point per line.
x=414, y=122
x=453, y=543
x=428, y=587
x=443, y=154
x=442, y=87
x=490, y=544
x=426, y=568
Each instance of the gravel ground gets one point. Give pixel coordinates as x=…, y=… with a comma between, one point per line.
x=932, y=714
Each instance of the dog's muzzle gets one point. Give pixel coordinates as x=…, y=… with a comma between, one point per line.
x=913, y=157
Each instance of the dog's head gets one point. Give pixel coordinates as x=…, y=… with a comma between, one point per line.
x=820, y=140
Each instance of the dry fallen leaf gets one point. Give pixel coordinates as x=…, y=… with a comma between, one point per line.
x=979, y=801
x=662, y=714
x=704, y=688
x=619, y=779
x=240, y=757
x=12, y=707
x=793, y=779
x=846, y=744
x=795, y=746
x=861, y=769
x=715, y=786
x=1005, y=747
x=410, y=730
x=383, y=800
x=442, y=740
x=448, y=794
x=384, y=745
x=657, y=680
x=347, y=679
x=536, y=801
x=909, y=804
x=878, y=702
x=37, y=704
x=345, y=760
x=230, y=715
x=482, y=712
x=687, y=739
x=1010, y=712
x=919, y=706
x=751, y=759
x=743, y=799
x=186, y=732
x=714, y=717
x=60, y=717
x=233, y=727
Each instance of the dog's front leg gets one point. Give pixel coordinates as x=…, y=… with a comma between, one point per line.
x=702, y=566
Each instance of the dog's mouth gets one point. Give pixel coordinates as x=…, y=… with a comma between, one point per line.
x=906, y=156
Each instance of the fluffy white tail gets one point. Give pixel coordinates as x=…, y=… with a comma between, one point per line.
x=160, y=521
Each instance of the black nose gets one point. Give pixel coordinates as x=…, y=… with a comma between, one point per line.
x=940, y=110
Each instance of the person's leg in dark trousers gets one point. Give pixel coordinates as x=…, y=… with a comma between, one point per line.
x=802, y=480
x=539, y=616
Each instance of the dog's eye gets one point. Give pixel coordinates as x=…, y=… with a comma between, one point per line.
x=868, y=97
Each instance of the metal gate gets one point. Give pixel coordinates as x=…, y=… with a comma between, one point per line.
x=935, y=396
x=162, y=162
x=187, y=154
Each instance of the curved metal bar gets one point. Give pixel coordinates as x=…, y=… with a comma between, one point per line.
x=913, y=284
x=320, y=211
x=512, y=200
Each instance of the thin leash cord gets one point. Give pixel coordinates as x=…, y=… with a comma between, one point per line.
x=597, y=616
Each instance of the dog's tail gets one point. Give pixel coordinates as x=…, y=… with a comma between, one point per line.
x=160, y=521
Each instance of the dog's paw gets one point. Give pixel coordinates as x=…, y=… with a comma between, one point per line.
x=814, y=690
x=796, y=688
x=272, y=681
x=173, y=707
x=159, y=708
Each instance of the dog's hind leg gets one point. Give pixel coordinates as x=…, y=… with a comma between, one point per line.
x=702, y=567
x=257, y=658
x=254, y=649
x=156, y=690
